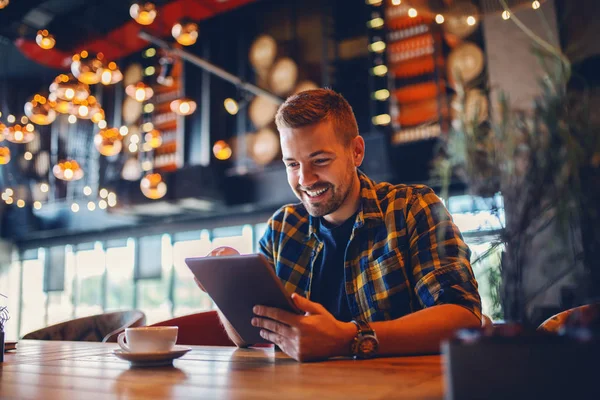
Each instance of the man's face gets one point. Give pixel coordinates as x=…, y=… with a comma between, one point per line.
x=320, y=169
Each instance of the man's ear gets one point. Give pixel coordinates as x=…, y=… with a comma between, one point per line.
x=358, y=150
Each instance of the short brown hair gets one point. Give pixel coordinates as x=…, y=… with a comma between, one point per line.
x=314, y=106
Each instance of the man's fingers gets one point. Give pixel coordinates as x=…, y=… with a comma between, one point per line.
x=306, y=305
x=273, y=326
x=277, y=314
x=275, y=339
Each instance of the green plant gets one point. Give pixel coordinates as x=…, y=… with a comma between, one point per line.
x=545, y=162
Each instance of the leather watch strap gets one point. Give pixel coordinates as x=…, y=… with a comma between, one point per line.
x=363, y=327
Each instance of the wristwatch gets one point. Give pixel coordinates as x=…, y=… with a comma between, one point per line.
x=365, y=343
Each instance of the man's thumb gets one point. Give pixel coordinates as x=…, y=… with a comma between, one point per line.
x=306, y=305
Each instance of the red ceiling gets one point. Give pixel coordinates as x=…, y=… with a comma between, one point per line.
x=124, y=40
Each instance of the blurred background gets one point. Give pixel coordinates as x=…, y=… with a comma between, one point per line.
x=136, y=134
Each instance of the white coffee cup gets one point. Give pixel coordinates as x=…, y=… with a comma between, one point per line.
x=148, y=339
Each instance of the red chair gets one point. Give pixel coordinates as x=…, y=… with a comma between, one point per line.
x=202, y=329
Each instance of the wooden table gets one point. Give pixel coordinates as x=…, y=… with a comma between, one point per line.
x=84, y=370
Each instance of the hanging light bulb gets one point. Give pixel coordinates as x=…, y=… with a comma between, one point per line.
x=153, y=138
x=183, y=106
x=4, y=3
x=143, y=12
x=87, y=68
x=68, y=170
x=45, y=40
x=97, y=114
x=18, y=134
x=67, y=88
x=111, y=74
x=60, y=106
x=185, y=32
x=88, y=109
x=140, y=92
x=222, y=150
x=535, y=5
x=108, y=142
x=4, y=155
x=153, y=186
x=40, y=111
x=231, y=106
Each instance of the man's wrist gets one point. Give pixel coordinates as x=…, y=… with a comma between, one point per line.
x=347, y=335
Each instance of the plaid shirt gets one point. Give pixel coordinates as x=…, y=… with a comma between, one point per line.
x=404, y=253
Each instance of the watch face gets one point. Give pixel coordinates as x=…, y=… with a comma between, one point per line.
x=367, y=346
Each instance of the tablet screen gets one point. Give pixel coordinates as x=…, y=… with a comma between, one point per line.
x=236, y=284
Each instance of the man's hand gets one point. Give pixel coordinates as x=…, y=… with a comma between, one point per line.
x=316, y=335
x=231, y=332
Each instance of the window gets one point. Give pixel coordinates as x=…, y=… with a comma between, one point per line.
x=188, y=298
x=10, y=281
x=153, y=294
x=259, y=231
x=89, y=267
x=60, y=304
x=476, y=217
x=33, y=311
x=119, y=277
x=476, y=214
x=238, y=237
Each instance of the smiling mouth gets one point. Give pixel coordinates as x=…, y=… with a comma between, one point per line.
x=316, y=193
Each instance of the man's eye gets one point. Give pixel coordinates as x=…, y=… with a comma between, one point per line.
x=322, y=160
x=292, y=165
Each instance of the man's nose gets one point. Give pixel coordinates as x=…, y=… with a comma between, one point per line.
x=307, y=177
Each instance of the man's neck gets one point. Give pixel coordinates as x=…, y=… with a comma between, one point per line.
x=348, y=207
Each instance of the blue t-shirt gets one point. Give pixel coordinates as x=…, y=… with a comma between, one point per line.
x=328, y=286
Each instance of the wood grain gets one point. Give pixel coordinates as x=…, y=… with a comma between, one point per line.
x=60, y=370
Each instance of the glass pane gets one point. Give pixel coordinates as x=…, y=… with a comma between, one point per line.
x=486, y=267
x=60, y=304
x=119, y=271
x=90, y=268
x=472, y=213
x=188, y=297
x=9, y=286
x=238, y=237
x=259, y=229
x=33, y=313
x=153, y=294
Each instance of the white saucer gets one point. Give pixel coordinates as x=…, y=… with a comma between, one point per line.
x=152, y=359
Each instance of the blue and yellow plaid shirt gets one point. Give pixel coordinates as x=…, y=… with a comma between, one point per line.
x=404, y=253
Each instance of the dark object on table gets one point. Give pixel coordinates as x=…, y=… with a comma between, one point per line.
x=509, y=362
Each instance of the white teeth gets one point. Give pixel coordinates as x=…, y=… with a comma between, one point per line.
x=316, y=193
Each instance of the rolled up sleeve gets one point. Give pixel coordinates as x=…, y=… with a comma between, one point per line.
x=441, y=269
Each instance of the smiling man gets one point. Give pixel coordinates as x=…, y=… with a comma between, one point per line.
x=378, y=269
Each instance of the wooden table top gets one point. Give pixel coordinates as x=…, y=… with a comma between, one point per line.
x=85, y=370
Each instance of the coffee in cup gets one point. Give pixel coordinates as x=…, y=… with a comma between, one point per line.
x=148, y=339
